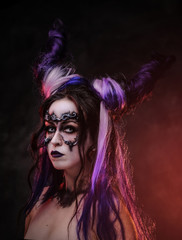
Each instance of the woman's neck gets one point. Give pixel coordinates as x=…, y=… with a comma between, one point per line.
x=69, y=181
x=82, y=181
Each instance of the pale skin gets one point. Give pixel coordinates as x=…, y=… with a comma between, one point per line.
x=49, y=221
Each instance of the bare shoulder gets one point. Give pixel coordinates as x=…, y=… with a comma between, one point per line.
x=34, y=210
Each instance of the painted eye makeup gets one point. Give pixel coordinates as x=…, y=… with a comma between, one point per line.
x=50, y=129
x=68, y=127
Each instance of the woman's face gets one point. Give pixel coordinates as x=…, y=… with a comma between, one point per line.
x=62, y=132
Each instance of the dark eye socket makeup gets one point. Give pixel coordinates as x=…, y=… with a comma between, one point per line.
x=68, y=127
x=50, y=128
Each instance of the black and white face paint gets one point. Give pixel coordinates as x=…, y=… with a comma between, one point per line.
x=66, y=124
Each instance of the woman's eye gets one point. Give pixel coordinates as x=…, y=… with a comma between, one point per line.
x=50, y=129
x=70, y=129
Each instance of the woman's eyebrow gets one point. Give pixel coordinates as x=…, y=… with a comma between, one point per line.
x=69, y=120
x=47, y=123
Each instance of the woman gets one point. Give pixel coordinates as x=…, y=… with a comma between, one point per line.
x=82, y=186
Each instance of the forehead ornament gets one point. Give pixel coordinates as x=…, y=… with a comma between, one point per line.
x=64, y=117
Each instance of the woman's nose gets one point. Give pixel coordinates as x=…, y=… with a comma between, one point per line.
x=57, y=139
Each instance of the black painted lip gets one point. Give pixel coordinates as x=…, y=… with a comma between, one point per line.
x=56, y=154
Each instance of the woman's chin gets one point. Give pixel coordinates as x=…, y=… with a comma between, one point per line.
x=58, y=166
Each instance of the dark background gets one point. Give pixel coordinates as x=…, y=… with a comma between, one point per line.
x=105, y=37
